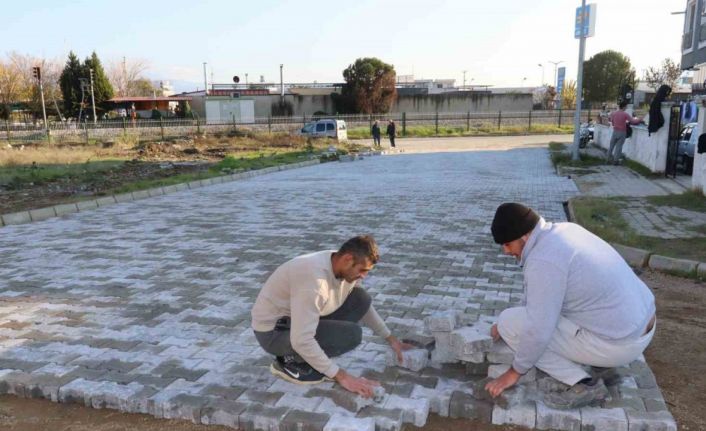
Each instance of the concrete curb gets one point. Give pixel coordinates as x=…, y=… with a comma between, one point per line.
x=29, y=216
x=639, y=258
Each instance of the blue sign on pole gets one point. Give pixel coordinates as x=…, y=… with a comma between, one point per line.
x=561, y=75
x=585, y=23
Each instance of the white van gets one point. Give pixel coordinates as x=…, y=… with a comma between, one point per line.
x=327, y=128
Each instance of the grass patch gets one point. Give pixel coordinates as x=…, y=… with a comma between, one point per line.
x=602, y=217
x=163, y=182
x=562, y=157
x=15, y=176
x=259, y=160
x=457, y=131
x=690, y=200
x=640, y=169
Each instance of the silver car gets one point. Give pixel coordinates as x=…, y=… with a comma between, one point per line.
x=687, y=146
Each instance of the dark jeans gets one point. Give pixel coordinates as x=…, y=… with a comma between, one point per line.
x=337, y=333
x=376, y=140
x=392, y=140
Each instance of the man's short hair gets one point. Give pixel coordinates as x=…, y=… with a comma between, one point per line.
x=361, y=247
x=623, y=104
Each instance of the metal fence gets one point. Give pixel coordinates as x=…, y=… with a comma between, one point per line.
x=170, y=128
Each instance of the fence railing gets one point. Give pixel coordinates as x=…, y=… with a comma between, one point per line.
x=169, y=128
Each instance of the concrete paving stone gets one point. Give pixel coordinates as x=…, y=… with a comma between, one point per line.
x=120, y=198
x=632, y=404
x=86, y=205
x=21, y=217
x=170, y=189
x=182, y=186
x=302, y=420
x=441, y=321
x=138, y=194
x=500, y=353
x=220, y=411
x=655, y=405
x=106, y=201
x=553, y=419
x=64, y=209
x=259, y=417
x=663, y=263
x=651, y=421
x=227, y=392
x=184, y=406
x=465, y=405
x=155, y=191
x=524, y=414
x=603, y=419
x=470, y=340
x=42, y=213
x=385, y=419
x=414, y=411
x=413, y=359
x=346, y=423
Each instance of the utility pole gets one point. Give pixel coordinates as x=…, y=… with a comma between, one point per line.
x=542, y=66
x=281, y=81
x=125, y=83
x=579, y=85
x=205, y=79
x=246, y=80
x=464, y=79
x=93, y=99
x=37, y=72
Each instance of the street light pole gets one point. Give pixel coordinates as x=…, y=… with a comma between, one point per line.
x=93, y=99
x=542, y=66
x=555, y=63
x=281, y=81
x=464, y=79
x=205, y=80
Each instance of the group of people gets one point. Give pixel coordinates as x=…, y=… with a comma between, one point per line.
x=583, y=306
x=391, y=133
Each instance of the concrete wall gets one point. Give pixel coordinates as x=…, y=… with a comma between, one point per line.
x=463, y=101
x=650, y=151
x=698, y=178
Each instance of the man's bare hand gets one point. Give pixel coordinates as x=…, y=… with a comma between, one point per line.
x=357, y=385
x=506, y=380
x=494, y=332
x=398, y=347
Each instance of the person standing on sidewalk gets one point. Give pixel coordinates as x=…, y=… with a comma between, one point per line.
x=583, y=306
x=620, y=120
x=391, y=132
x=309, y=309
x=375, y=131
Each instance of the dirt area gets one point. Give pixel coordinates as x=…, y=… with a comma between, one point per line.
x=676, y=356
x=36, y=175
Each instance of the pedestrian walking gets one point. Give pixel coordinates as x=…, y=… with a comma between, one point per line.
x=391, y=132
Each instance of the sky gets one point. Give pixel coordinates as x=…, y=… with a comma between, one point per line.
x=498, y=43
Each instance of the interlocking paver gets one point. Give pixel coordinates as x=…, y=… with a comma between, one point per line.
x=144, y=306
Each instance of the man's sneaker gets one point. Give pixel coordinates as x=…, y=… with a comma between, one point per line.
x=578, y=395
x=296, y=372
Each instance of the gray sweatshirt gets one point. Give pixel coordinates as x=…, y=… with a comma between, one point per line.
x=570, y=272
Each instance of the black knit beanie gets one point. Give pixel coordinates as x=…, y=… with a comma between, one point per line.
x=511, y=221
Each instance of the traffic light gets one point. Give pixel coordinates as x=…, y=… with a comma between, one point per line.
x=37, y=73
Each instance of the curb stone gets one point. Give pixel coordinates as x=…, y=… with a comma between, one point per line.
x=39, y=214
x=668, y=264
x=633, y=256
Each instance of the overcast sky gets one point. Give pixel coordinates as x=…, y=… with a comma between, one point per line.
x=497, y=42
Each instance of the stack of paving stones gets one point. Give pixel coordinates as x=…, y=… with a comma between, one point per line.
x=145, y=306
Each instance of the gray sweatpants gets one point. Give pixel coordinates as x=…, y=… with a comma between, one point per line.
x=617, y=139
x=337, y=333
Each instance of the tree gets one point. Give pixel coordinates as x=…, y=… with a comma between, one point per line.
x=668, y=73
x=568, y=95
x=124, y=75
x=603, y=75
x=70, y=85
x=144, y=87
x=369, y=87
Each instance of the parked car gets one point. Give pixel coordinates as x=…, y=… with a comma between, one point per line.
x=326, y=128
x=687, y=146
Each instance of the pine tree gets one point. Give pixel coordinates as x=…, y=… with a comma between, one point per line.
x=102, y=90
x=71, y=86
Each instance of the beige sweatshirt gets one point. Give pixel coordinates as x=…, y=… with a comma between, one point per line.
x=305, y=288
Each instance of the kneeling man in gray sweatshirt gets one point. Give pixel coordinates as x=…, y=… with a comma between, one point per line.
x=583, y=305
x=308, y=311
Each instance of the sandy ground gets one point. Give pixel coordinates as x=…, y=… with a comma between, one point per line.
x=676, y=356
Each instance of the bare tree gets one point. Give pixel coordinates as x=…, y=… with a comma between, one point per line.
x=667, y=73
x=17, y=83
x=124, y=75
